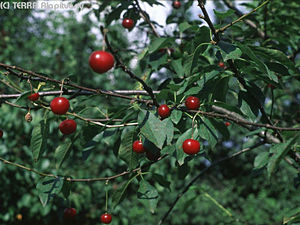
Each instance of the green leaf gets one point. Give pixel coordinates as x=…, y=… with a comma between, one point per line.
x=48, y=187
x=195, y=56
x=176, y=116
x=208, y=132
x=39, y=139
x=62, y=151
x=159, y=43
x=229, y=51
x=177, y=66
x=152, y=128
x=169, y=129
x=66, y=188
x=148, y=195
x=279, y=151
x=223, y=15
x=119, y=194
x=125, y=151
x=261, y=160
x=161, y=180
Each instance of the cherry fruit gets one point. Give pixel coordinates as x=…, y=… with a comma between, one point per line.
x=164, y=111
x=59, y=105
x=221, y=64
x=34, y=96
x=69, y=213
x=67, y=126
x=128, y=23
x=1, y=133
x=191, y=146
x=138, y=147
x=227, y=124
x=192, y=103
x=106, y=218
x=176, y=4
x=101, y=61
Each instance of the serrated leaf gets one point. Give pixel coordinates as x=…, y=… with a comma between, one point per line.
x=279, y=151
x=148, y=195
x=62, y=151
x=195, y=56
x=169, y=129
x=48, y=187
x=119, y=194
x=39, y=139
x=125, y=151
x=158, y=43
x=261, y=160
x=176, y=116
x=152, y=128
x=223, y=15
x=208, y=132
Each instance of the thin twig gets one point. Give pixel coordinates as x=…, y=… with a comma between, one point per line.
x=208, y=20
x=247, y=21
x=128, y=71
x=201, y=174
x=146, y=19
x=221, y=30
x=78, y=93
x=68, y=83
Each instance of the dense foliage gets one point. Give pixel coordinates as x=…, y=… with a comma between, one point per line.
x=247, y=170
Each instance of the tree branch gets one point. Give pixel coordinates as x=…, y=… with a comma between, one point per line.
x=247, y=21
x=126, y=70
x=201, y=174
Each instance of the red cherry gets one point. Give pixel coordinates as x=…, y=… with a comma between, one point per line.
x=271, y=86
x=59, y=105
x=227, y=124
x=106, y=218
x=101, y=61
x=192, y=103
x=162, y=50
x=69, y=213
x=176, y=4
x=128, y=23
x=191, y=146
x=163, y=111
x=67, y=126
x=221, y=64
x=138, y=147
x=34, y=96
x=1, y=133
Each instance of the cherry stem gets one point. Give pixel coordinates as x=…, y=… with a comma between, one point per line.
x=106, y=195
x=103, y=41
x=61, y=88
x=28, y=81
x=193, y=124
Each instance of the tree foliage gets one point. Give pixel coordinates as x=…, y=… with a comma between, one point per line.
x=247, y=170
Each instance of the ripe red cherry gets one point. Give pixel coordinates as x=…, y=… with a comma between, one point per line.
x=1, y=133
x=106, y=218
x=227, y=124
x=138, y=147
x=59, y=105
x=163, y=111
x=101, y=61
x=34, y=96
x=67, y=126
x=128, y=23
x=221, y=64
x=192, y=103
x=176, y=4
x=191, y=146
x=69, y=213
